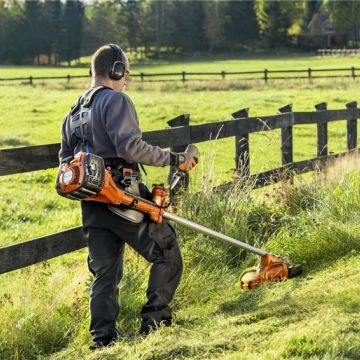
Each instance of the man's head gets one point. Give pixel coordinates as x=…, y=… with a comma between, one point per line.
x=110, y=64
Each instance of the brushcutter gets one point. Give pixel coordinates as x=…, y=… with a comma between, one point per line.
x=86, y=178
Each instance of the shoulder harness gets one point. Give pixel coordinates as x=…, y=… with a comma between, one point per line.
x=80, y=119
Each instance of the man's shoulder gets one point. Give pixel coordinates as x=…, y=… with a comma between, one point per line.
x=110, y=93
x=111, y=97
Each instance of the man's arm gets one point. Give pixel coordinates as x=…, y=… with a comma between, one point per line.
x=123, y=128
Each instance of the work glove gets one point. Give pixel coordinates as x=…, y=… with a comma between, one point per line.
x=185, y=161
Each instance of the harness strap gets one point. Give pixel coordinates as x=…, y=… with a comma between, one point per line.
x=89, y=96
x=80, y=119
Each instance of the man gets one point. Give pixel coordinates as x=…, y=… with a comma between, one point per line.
x=104, y=122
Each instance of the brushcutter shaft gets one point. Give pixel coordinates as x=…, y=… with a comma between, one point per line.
x=213, y=233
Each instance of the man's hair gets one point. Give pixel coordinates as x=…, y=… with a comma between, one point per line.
x=103, y=60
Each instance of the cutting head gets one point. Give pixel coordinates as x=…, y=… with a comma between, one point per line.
x=271, y=268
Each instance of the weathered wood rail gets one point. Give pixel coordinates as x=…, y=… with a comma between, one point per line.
x=265, y=75
x=338, y=52
x=178, y=136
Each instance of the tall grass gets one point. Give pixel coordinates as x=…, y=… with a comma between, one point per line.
x=44, y=308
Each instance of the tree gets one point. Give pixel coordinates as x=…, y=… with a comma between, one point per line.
x=16, y=44
x=274, y=22
x=241, y=27
x=32, y=28
x=73, y=21
x=130, y=18
x=4, y=30
x=185, y=30
x=147, y=28
x=215, y=18
x=345, y=16
x=103, y=25
x=51, y=37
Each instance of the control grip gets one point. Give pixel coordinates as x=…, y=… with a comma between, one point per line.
x=193, y=151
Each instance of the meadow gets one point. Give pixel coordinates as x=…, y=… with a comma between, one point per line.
x=245, y=62
x=315, y=222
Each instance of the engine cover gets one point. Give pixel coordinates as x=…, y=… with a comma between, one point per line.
x=82, y=177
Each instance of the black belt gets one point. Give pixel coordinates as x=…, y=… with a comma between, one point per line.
x=117, y=163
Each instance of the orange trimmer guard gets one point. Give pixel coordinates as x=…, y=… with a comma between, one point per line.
x=271, y=268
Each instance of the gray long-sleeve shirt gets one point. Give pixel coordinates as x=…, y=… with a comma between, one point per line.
x=116, y=132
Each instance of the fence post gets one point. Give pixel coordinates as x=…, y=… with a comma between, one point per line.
x=322, y=131
x=142, y=76
x=266, y=75
x=353, y=72
x=223, y=74
x=30, y=80
x=181, y=120
x=68, y=78
x=286, y=138
x=309, y=73
x=242, y=150
x=351, y=128
x=183, y=76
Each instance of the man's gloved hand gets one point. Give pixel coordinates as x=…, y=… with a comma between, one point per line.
x=183, y=161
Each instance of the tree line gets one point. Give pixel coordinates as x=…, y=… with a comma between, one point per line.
x=54, y=31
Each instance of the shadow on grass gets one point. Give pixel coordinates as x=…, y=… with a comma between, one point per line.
x=250, y=301
x=14, y=142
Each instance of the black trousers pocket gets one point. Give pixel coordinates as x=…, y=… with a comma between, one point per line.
x=163, y=234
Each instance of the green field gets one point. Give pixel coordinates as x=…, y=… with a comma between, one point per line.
x=33, y=115
x=314, y=222
x=245, y=62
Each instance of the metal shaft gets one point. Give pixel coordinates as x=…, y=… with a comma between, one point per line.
x=213, y=233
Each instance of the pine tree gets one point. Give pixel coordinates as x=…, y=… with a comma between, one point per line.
x=73, y=23
x=241, y=27
x=186, y=26
x=51, y=32
x=274, y=22
x=4, y=30
x=32, y=28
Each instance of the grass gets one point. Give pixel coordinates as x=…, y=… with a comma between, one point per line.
x=33, y=115
x=242, y=62
x=314, y=222
x=44, y=308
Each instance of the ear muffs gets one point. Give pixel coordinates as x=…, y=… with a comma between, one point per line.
x=118, y=69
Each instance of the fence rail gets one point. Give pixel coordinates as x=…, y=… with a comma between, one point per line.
x=265, y=75
x=338, y=52
x=178, y=136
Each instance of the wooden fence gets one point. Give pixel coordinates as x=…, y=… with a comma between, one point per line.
x=265, y=75
x=338, y=52
x=178, y=136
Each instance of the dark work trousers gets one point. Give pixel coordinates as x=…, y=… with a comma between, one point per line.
x=106, y=235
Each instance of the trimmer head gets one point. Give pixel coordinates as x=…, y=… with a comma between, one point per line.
x=271, y=268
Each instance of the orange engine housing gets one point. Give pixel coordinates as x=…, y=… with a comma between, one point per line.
x=271, y=268
x=85, y=178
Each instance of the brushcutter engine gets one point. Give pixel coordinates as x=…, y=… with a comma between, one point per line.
x=86, y=178
x=82, y=177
